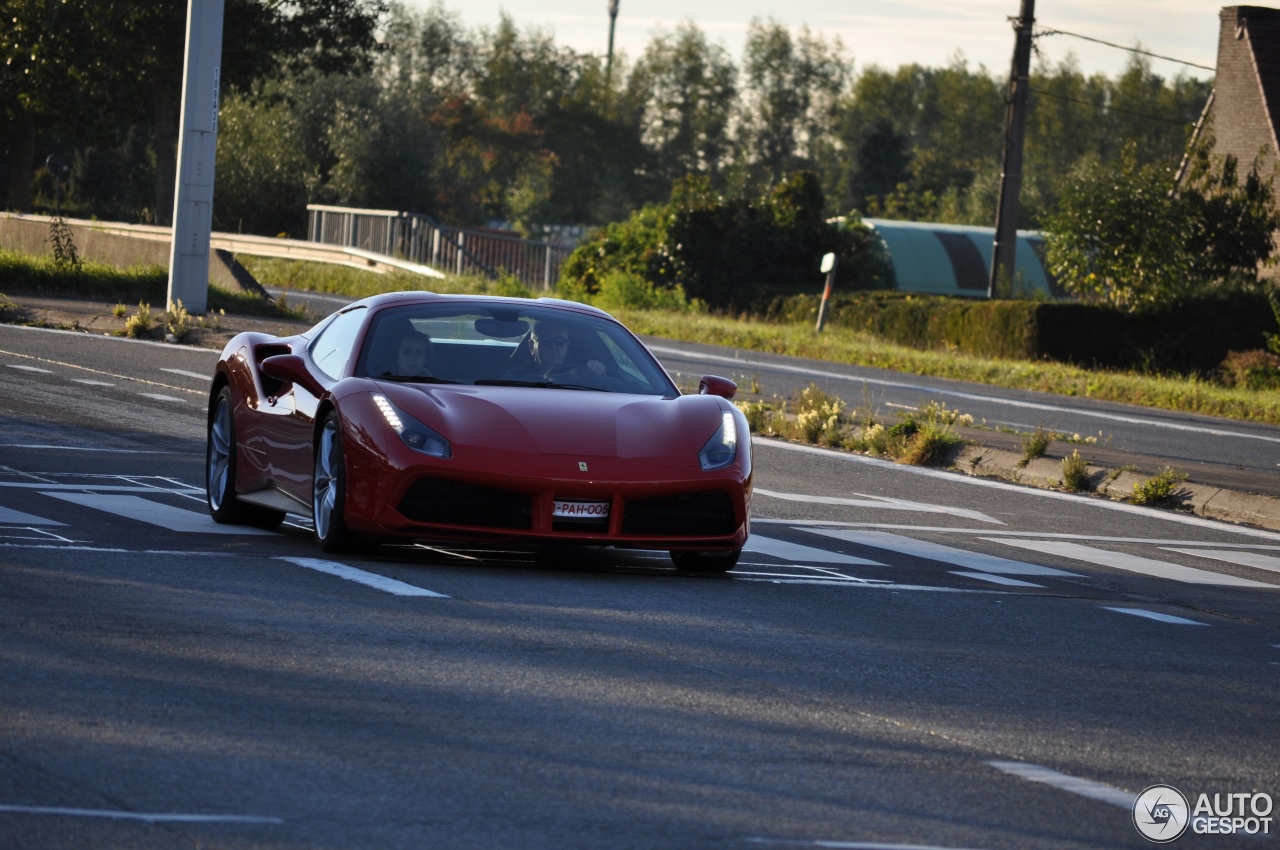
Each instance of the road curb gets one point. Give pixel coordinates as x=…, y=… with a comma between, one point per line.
x=1118, y=484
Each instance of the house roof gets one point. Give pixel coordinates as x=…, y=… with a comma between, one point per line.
x=1259, y=28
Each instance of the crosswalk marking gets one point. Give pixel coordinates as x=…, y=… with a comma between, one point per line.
x=199, y=375
x=938, y=552
x=878, y=503
x=113, y=494
x=8, y=516
x=154, y=513
x=107, y=487
x=995, y=579
x=1130, y=563
x=1157, y=616
x=1231, y=556
x=1066, y=782
x=807, y=554
x=387, y=585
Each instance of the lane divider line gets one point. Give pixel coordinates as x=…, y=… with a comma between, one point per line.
x=1064, y=782
x=377, y=582
x=1155, y=615
x=142, y=816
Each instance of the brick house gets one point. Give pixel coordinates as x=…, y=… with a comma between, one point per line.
x=1245, y=106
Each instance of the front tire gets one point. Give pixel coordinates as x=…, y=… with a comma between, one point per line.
x=220, y=472
x=329, y=490
x=704, y=562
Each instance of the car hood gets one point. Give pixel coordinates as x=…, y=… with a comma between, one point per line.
x=554, y=421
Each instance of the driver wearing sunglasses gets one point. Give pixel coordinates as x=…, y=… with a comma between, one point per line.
x=551, y=349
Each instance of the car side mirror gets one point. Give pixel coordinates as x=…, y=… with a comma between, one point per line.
x=715, y=385
x=292, y=369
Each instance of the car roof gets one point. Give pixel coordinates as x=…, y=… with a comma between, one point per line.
x=386, y=299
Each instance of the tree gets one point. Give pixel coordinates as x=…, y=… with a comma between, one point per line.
x=56, y=66
x=882, y=161
x=265, y=176
x=1127, y=236
x=689, y=89
x=792, y=90
x=77, y=45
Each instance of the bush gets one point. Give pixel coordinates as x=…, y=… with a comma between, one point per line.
x=625, y=290
x=1254, y=370
x=1162, y=490
x=732, y=253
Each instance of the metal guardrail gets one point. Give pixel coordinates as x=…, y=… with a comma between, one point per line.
x=420, y=239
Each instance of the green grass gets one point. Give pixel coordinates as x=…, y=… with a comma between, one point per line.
x=22, y=273
x=358, y=283
x=1159, y=491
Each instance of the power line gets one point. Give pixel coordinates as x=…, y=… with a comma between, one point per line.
x=1046, y=31
x=1107, y=107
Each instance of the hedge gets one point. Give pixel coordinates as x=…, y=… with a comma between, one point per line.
x=1192, y=335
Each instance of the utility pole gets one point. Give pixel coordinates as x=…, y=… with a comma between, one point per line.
x=613, y=20
x=197, y=144
x=1004, y=251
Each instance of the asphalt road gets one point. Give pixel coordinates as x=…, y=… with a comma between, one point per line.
x=903, y=658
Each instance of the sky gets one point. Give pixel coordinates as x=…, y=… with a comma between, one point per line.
x=932, y=33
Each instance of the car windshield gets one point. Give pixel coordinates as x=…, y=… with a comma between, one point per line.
x=523, y=345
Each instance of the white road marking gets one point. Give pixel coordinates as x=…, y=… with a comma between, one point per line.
x=103, y=450
x=104, y=374
x=878, y=503
x=8, y=516
x=30, y=369
x=1244, y=559
x=1132, y=563
x=1048, y=535
x=806, y=554
x=90, y=383
x=149, y=818
x=203, y=376
x=995, y=579
x=825, y=578
x=974, y=481
x=1155, y=615
x=938, y=552
x=867, y=585
x=1064, y=782
x=388, y=585
x=1028, y=405
x=154, y=513
x=159, y=397
x=99, y=488
x=847, y=845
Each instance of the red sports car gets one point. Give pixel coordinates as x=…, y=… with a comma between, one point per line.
x=413, y=415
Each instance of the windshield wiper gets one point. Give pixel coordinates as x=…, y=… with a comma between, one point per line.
x=508, y=382
x=414, y=379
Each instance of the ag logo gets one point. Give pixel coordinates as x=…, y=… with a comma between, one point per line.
x=1161, y=813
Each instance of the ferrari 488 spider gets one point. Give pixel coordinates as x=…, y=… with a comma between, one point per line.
x=445, y=417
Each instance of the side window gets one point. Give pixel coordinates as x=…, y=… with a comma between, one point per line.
x=336, y=344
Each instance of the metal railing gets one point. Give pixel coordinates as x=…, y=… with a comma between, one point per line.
x=420, y=239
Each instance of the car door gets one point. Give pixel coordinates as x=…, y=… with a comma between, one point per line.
x=290, y=426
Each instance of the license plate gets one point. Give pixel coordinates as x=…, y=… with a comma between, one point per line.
x=566, y=509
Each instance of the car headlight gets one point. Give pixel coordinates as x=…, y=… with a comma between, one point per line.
x=413, y=433
x=722, y=448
